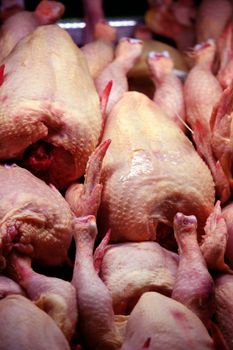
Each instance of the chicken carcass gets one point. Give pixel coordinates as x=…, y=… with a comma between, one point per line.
x=50, y=114
x=214, y=243
x=224, y=306
x=173, y=20
x=99, y=53
x=159, y=322
x=130, y=269
x=127, y=53
x=227, y=214
x=96, y=318
x=221, y=132
x=9, y=7
x=201, y=93
x=194, y=286
x=150, y=172
x=211, y=18
x=8, y=286
x=225, y=53
x=34, y=218
x=53, y=295
x=169, y=94
x=84, y=199
x=23, y=23
x=24, y=326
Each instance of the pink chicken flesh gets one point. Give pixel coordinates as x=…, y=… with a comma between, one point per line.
x=212, y=16
x=202, y=91
x=23, y=23
x=24, y=326
x=169, y=93
x=53, y=295
x=150, y=172
x=194, y=286
x=34, y=218
x=224, y=306
x=227, y=213
x=130, y=269
x=50, y=115
x=159, y=322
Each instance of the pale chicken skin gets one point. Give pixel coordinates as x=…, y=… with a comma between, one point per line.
x=53, y=295
x=127, y=53
x=24, y=326
x=130, y=269
x=227, y=213
x=23, y=23
x=169, y=94
x=8, y=286
x=194, y=286
x=161, y=323
x=34, y=218
x=150, y=171
x=212, y=16
x=99, y=53
x=48, y=95
x=224, y=306
x=202, y=91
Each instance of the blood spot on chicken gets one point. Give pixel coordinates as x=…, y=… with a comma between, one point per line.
x=2, y=69
x=147, y=343
x=179, y=316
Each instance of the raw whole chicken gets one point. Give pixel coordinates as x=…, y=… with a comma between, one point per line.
x=96, y=316
x=150, y=172
x=23, y=23
x=100, y=52
x=211, y=18
x=225, y=53
x=224, y=306
x=169, y=94
x=139, y=76
x=227, y=213
x=202, y=92
x=194, y=286
x=159, y=322
x=50, y=115
x=8, y=286
x=24, y=326
x=174, y=20
x=53, y=295
x=221, y=132
x=34, y=218
x=127, y=53
x=9, y=7
x=130, y=269
x=214, y=243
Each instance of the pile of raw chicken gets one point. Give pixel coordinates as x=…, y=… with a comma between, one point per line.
x=116, y=214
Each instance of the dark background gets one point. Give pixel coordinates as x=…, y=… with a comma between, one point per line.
x=112, y=8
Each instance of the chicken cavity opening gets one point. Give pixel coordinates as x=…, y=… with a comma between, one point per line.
x=165, y=237
x=38, y=158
